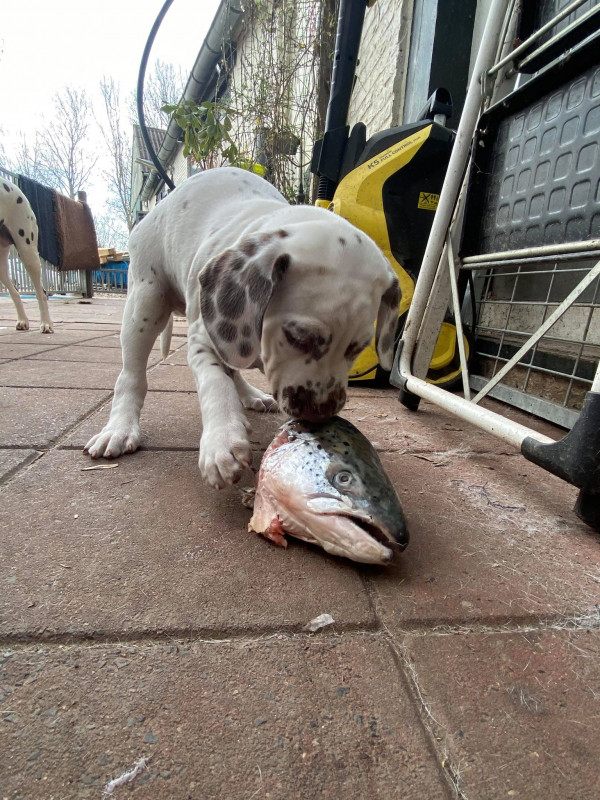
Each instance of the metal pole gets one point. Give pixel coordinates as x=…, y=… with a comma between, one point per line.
x=460, y=339
x=540, y=32
x=596, y=382
x=548, y=251
x=509, y=431
x=452, y=182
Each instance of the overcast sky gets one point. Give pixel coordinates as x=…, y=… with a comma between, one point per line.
x=46, y=45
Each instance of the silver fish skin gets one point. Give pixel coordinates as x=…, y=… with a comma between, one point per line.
x=324, y=483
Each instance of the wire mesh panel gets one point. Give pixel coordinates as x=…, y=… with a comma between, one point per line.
x=535, y=186
x=553, y=377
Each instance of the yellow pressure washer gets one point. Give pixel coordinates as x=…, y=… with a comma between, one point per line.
x=388, y=186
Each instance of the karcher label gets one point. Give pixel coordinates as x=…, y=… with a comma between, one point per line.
x=428, y=201
x=414, y=139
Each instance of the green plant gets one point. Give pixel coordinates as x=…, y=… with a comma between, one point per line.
x=206, y=128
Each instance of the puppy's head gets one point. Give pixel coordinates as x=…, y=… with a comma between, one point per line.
x=303, y=300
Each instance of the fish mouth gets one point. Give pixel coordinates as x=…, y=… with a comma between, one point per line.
x=352, y=537
x=376, y=532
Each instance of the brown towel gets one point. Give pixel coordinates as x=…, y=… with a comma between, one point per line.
x=76, y=234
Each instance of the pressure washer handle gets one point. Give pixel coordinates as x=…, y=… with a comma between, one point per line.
x=438, y=107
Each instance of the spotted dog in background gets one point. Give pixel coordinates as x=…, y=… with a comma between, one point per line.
x=18, y=226
x=294, y=290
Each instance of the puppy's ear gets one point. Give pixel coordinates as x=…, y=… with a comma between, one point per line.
x=235, y=289
x=387, y=322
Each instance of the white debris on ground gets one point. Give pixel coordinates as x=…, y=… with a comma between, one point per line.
x=126, y=777
x=319, y=622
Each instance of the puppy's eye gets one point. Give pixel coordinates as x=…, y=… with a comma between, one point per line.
x=301, y=338
x=311, y=343
x=343, y=479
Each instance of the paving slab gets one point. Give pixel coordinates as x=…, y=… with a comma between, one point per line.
x=179, y=356
x=109, y=339
x=146, y=546
x=168, y=377
x=114, y=340
x=109, y=355
x=11, y=460
x=69, y=310
x=90, y=325
x=10, y=350
x=58, y=374
x=38, y=417
x=171, y=420
x=389, y=426
x=492, y=539
x=282, y=718
x=59, y=337
x=517, y=714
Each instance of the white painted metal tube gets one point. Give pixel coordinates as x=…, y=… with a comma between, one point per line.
x=460, y=338
x=540, y=32
x=452, y=181
x=596, y=381
x=548, y=250
x=511, y=432
x=544, y=327
x=550, y=42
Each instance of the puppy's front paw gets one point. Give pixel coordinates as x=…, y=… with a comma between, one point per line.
x=256, y=400
x=265, y=404
x=46, y=327
x=22, y=325
x=112, y=442
x=224, y=454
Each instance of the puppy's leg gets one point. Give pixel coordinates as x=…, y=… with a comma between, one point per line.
x=224, y=446
x=252, y=397
x=31, y=262
x=144, y=318
x=22, y=321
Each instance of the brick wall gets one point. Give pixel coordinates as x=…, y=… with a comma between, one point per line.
x=180, y=167
x=378, y=95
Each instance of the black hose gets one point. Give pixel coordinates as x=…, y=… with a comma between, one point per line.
x=140, y=94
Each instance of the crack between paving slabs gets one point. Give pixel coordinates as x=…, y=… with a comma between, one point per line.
x=408, y=676
x=250, y=634
x=435, y=731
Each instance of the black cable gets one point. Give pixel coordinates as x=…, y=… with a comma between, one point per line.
x=140, y=94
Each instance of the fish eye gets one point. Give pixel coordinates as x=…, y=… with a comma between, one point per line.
x=343, y=479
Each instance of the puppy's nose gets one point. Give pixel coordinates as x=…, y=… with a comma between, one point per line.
x=302, y=403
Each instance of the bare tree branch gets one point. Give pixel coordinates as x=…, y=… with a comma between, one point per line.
x=163, y=86
x=65, y=159
x=118, y=142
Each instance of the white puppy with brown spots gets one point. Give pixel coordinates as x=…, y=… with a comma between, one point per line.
x=293, y=289
x=18, y=226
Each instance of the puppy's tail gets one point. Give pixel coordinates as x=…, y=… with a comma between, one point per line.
x=165, y=338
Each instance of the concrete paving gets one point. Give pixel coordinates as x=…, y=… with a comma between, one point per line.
x=146, y=638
